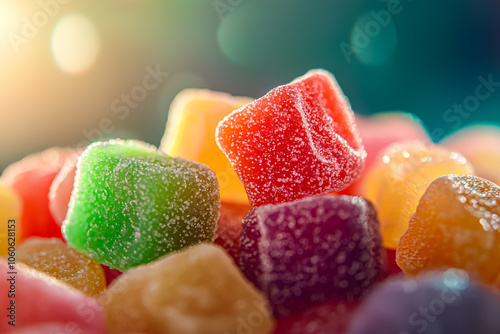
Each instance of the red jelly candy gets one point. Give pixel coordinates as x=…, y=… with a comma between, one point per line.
x=31, y=178
x=298, y=140
x=61, y=188
x=229, y=228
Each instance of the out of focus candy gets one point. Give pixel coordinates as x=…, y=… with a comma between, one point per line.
x=43, y=304
x=228, y=231
x=298, y=140
x=399, y=179
x=329, y=318
x=10, y=209
x=57, y=259
x=190, y=134
x=444, y=303
x=379, y=131
x=198, y=290
x=480, y=144
x=312, y=251
x=61, y=187
x=31, y=178
x=457, y=224
x=132, y=204
x=110, y=274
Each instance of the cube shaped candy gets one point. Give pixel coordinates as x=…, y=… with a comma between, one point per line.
x=312, y=251
x=132, y=204
x=10, y=208
x=457, y=225
x=298, y=140
x=198, y=290
x=190, y=134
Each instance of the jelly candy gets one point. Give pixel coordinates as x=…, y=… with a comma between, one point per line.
x=110, y=274
x=298, y=140
x=190, y=134
x=480, y=144
x=444, y=303
x=198, y=290
x=379, y=131
x=44, y=304
x=132, y=204
x=328, y=318
x=31, y=178
x=399, y=179
x=55, y=258
x=10, y=208
x=457, y=224
x=62, y=186
x=315, y=250
x=229, y=228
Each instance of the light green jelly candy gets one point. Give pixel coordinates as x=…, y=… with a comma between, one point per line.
x=131, y=204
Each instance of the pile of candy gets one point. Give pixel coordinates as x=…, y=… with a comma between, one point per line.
x=287, y=214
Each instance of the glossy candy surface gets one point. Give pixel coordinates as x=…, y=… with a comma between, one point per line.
x=57, y=259
x=190, y=134
x=400, y=177
x=198, y=290
x=132, y=204
x=436, y=303
x=312, y=251
x=457, y=224
x=298, y=140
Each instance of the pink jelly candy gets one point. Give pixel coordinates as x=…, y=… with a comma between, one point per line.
x=298, y=140
x=43, y=304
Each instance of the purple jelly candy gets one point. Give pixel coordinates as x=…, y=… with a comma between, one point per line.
x=311, y=251
x=444, y=303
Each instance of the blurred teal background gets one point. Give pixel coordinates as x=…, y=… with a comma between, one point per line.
x=59, y=80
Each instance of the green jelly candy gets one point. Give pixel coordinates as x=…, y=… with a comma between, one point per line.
x=131, y=204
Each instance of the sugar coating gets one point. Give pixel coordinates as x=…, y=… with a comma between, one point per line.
x=228, y=231
x=47, y=305
x=328, y=318
x=444, y=303
x=198, y=290
x=399, y=178
x=10, y=208
x=480, y=144
x=298, y=140
x=457, y=224
x=132, y=204
x=190, y=134
x=62, y=186
x=55, y=258
x=312, y=251
x=31, y=178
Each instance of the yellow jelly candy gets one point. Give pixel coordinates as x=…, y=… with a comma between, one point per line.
x=196, y=291
x=456, y=225
x=400, y=177
x=190, y=134
x=10, y=208
x=55, y=258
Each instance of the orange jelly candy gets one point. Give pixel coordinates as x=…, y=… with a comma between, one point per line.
x=399, y=179
x=457, y=224
x=9, y=213
x=57, y=259
x=190, y=134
